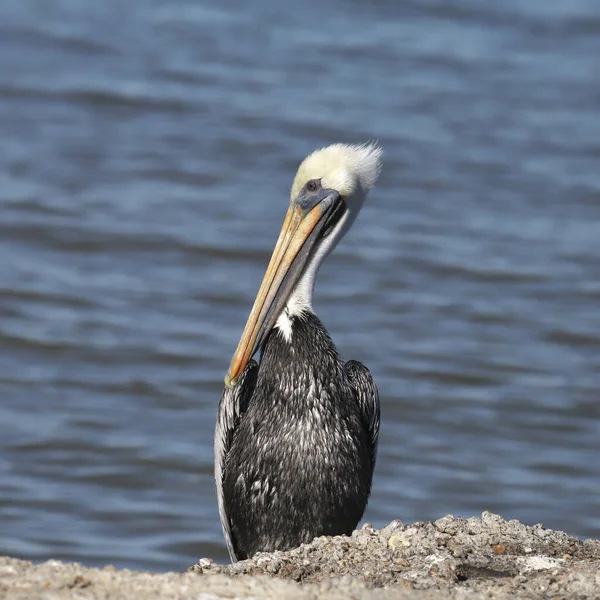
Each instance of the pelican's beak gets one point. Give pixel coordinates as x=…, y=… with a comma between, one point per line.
x=307, y=220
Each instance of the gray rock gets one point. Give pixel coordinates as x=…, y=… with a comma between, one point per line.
x=450, y=558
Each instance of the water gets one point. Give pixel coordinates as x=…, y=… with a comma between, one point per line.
x=147, y=152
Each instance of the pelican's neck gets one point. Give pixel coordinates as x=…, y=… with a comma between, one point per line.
x=300, y=301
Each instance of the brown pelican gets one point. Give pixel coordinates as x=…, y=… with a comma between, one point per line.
x=296, y=434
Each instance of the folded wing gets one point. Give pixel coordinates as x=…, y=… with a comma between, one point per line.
x=367, y=397
x=232, y=407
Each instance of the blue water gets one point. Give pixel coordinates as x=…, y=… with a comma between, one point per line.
x=147, y=153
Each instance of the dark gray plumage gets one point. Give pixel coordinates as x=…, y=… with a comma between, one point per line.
x=295, y=443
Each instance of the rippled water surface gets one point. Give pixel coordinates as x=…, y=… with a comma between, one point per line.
x=147, y=152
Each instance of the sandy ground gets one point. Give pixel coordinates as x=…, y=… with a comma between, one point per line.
x=485, y=557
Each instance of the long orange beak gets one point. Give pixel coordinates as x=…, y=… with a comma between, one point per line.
x=283, y=273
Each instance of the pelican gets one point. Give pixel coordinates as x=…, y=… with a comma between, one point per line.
x=296, y=433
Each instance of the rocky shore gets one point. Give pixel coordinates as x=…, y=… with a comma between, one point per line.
x=485, y=557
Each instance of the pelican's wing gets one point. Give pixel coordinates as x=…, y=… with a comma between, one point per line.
x=368, y=400
x=232, y=407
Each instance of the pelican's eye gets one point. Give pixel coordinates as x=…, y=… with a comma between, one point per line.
x=312, y=185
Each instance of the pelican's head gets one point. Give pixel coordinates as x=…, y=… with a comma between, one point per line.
x=350, y=171
x=328, y=192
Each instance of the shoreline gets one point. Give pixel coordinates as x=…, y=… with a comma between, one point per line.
x=485, y=557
